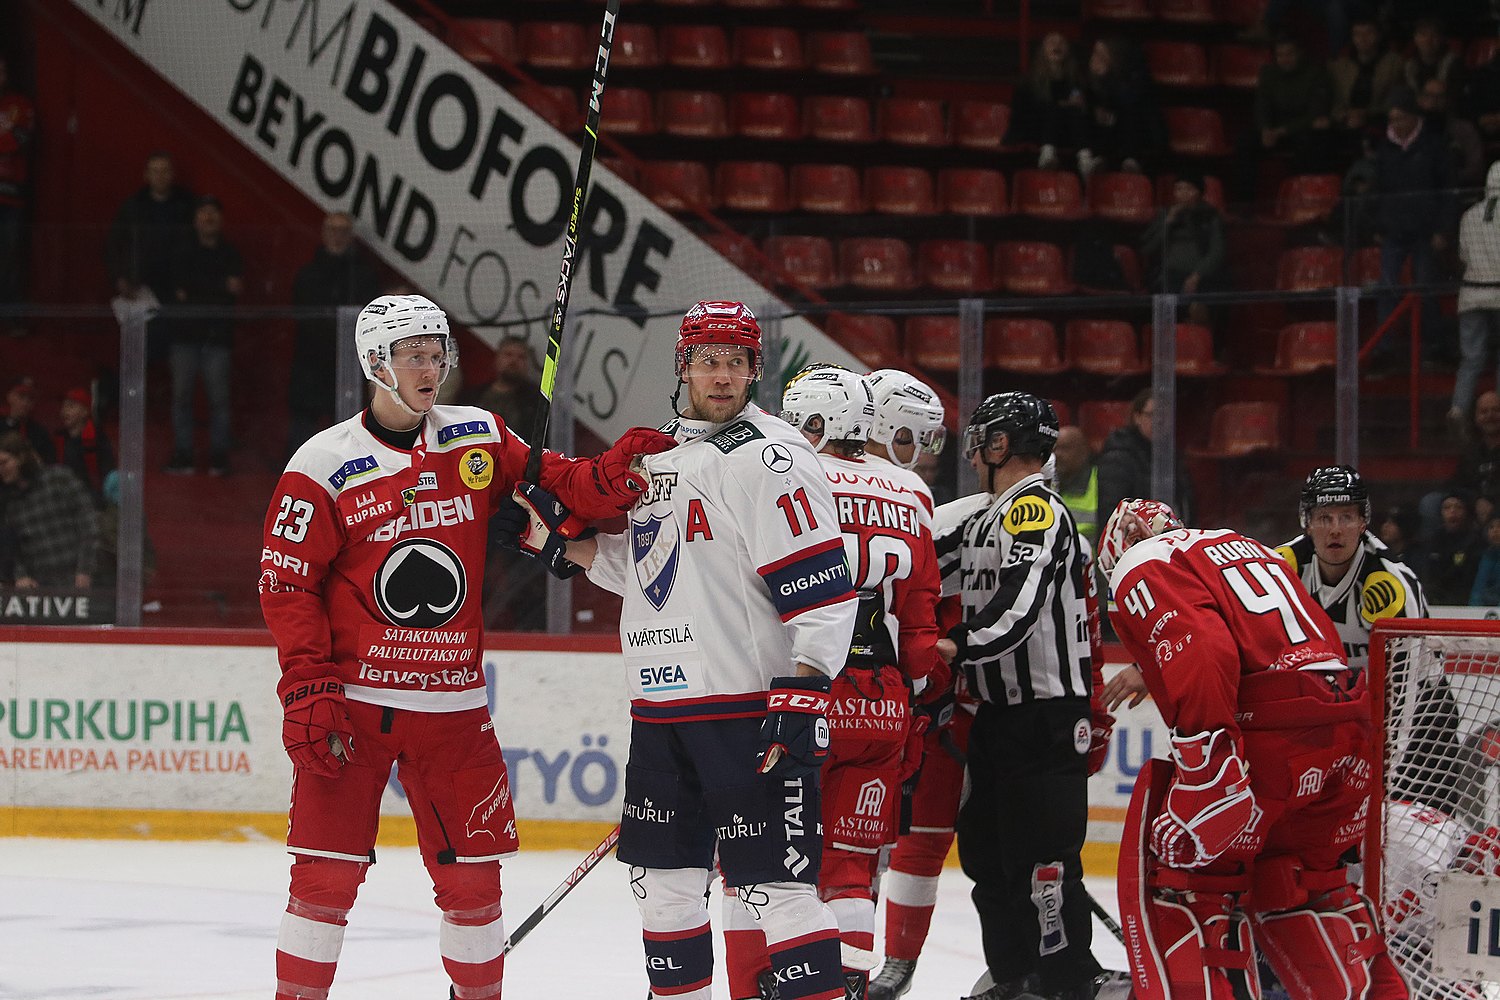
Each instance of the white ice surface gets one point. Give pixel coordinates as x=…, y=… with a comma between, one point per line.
x=120, y=920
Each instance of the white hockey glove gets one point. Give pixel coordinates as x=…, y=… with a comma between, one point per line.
x=1209, y=803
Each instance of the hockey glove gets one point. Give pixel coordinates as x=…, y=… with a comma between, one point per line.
x=1480, y=853
x=617, y=472
x=315, y=729
x=541, y=526
x=794, y=737
x=1209, y=803
x=1101, y=729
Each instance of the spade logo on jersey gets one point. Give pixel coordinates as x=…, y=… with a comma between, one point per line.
x=421, y=584
x=654, y=545
x=1029, y=514
x=1382, y=597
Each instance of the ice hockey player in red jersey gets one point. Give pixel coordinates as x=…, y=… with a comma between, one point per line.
x=1239, y=840
x=371, y=564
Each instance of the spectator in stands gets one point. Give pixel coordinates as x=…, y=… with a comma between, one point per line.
x=1293, y=107
x=1486, y=590
x=50, y=517
x=145, y=235
x=206, y=272
x=1465, y=148
x=1125, y=462
x=17, y=124
x=1398, y=530
x=109, y=538
x=1124, y=128
x=1362, y=76
x=1184, y=249
x=1338, y=17
x=1478, y=471
x=1414, y=215
x=513, y=393
x=82, y=445
x=339, y=274
x=1448, y=563
x=1048, y=108
x=1431, y=57
x=1078, y=480
x=20, y=401
x=1478, y=297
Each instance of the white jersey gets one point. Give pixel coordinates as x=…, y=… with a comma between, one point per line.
x=732, y=571
x=1420, y=844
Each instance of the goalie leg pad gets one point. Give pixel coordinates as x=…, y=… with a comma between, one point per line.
x=1331, y=949
x=312, y=929
x=675, y=930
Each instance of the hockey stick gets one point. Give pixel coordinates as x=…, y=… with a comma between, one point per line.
x=585, y=866
x=1104, y=918
x=570, y=244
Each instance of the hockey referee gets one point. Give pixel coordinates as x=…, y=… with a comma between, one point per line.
x=1014, y=557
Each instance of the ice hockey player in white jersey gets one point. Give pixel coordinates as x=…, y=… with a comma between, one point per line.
x=738, y=609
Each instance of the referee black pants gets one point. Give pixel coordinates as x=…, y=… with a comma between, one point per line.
x=1020, y=834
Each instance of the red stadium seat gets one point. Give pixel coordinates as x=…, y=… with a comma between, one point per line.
x=627, y=111
x=739, y=251
x=846, y=53
x=1178, y=64
x=1481, y=51
x=1117, y=10
x=694, y=46
x=697, y=114
x=932, y=342
x=1307, y=198
x=1195, y=351
x=957, y=267
x=765, y=116
x=1305, y=269
x=980, y=124
x=972, y=191
x=555, y=45
x=1048, y=194
x=1121, y=197
x=1104, y=347
x=623, y=169
x=1240, y=429
x=1027, y=346
x=875, y=340
x=809, y=259
x=1303, y=348
x=757, y=186
x=768, y=48
x=1186, y=11
x=1196, y=132
x=1031, y=269
x=1213, y=191
x=558, y=106
x=877, y=263
x=1240, y=65
x=838, y=119
x=827, y=187
x=899, y=191
x=913, y=121
x=635, y=47
x=1097, y=418
x=485, y=41
x=678, y=185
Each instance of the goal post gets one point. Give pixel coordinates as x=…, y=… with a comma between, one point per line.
x=1432, y=847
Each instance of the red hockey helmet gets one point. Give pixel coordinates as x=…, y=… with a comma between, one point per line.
x=725, y=324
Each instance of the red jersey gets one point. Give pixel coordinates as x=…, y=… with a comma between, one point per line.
x=373, y=555
x=1199, y=610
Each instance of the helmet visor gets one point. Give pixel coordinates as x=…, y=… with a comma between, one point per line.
x=933, y=439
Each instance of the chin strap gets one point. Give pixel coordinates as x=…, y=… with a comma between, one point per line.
x=994, y=467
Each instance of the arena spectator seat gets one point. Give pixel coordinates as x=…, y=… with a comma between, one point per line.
x=1117, y=10
x=740, y=251
x=1304, y=269
x=635, y=47
x=844, y=53
x=768, y=48
x=932, y=342
x=1048, y=194
x=831, y=188
x=955, y=267
x=877, y=263
x=1195, y=351
x=972, y=191
x=808, y=258
x=1307, y=198
x=1186, y=11
x=1213, y=191
x=1303, y=348
x=1121, y=197
x=1178, y=64
x=695, y=114
x=1196, y=132
x=1031, y=268
x=694, y=46
x=558, y=106
x=627, y=171
x=980, y=124
x=485, y=41
x=1239, y=66
x=628, y=112
x=913, y=121
x=833, y=118
x=765, y=116
x=899, y=191
x=678, y=185
x=875, y=340
x=1239, y=429
x=555, y=45
x=1027, y=346
x=1098, y=417
x=1104, y=347
x=755, y=186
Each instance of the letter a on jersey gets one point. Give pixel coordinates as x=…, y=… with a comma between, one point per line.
x=654, y=545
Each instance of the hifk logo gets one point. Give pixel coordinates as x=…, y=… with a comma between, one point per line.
x=654, y=545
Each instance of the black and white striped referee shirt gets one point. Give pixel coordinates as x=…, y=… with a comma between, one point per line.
x=1018, y=564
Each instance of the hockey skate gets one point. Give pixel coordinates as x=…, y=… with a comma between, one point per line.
x=1012, y=989
x=766, y=982
x=856, y=985
x=893, y=980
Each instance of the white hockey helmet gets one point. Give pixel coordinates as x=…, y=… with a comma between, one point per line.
x=904, y=401
x=839, y=396
x=390, y=319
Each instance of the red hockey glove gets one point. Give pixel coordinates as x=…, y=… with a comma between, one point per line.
x=794, y=737
x=540, y=526
x=617, y=473
x=316, y=730
x=1101, y=730
x=1480, y=853
x=916, y=746
x=1209, y=803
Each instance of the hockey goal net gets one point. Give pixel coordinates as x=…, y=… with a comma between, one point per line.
x=1435, y=687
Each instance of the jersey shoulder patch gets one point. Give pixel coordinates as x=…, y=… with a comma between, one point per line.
x=458, y=426
x=741, y=432
x=1031, y=511
x=1297, y=553
x=1382, y=594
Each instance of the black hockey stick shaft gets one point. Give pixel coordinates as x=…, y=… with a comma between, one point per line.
x=570, y=241
x=1104, y=917
x=585, y=866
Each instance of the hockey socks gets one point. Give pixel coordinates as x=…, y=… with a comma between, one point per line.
x=680, y=964
x=307, y=950
x=808, y=967
x=472, y=943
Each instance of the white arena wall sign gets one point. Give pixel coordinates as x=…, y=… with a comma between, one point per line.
x=454, y=182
